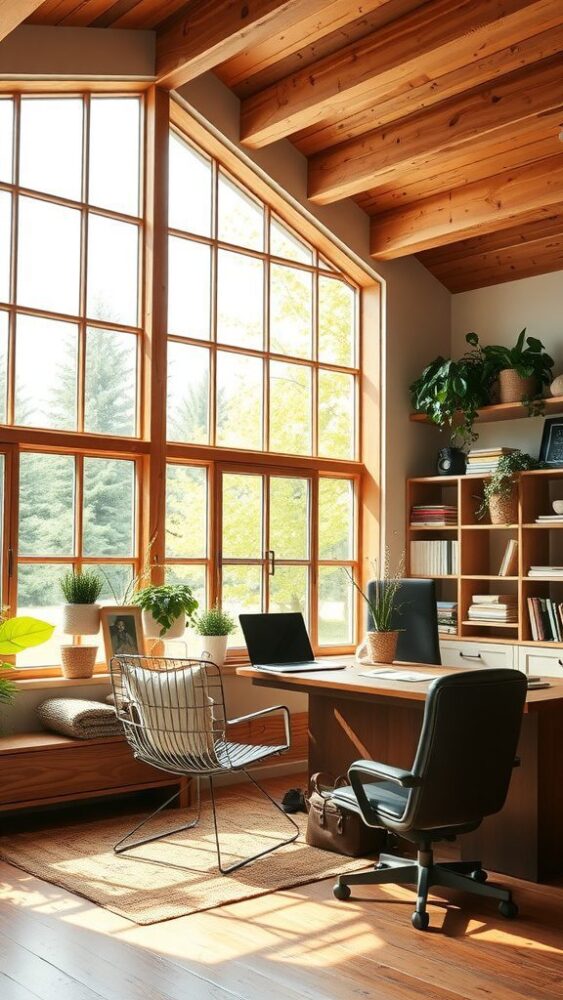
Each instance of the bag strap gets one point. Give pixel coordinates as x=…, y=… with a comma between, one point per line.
x=316, y=781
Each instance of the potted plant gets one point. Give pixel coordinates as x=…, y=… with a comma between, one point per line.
x=166, y=609
x=214, y=626
x=500, y=495
x=382, y=637
x=524, y=371
x=17, y=634
x=81, y=613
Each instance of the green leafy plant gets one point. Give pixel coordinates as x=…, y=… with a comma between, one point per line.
x=503, y=479
x=83, y=587
x=166, y=603
x=215, y=621
x=17, y=634
x=528, y=358
x=383, y=603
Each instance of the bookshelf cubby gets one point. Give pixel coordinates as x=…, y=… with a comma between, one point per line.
x=481, y=546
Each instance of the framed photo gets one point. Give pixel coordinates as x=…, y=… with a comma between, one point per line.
x=551, y=451
x=123, y=631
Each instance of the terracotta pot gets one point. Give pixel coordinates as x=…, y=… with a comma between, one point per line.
x=81, y=619
x=213, y=647
x=78, y=661
x=504, y=509
x=382, y=646
x=513, y=388
x=151, y=627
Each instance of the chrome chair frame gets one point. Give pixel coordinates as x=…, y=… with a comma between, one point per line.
x=174, y=718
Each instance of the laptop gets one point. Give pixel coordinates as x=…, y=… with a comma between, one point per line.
x=279, y=644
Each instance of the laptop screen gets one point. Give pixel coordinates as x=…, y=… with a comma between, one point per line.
x=276, y=638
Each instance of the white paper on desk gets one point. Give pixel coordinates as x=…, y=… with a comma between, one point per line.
x=397, y=675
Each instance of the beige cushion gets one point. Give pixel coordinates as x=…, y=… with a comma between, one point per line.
x=174, y=708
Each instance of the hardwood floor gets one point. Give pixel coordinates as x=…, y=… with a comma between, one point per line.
x=300, y=943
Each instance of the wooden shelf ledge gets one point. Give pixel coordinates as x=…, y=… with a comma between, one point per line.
x=501, y=411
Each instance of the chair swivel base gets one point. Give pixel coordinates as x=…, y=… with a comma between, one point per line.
x=466, y=875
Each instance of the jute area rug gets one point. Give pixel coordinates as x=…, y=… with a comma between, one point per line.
x=179, y=875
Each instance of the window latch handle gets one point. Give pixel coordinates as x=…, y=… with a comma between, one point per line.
x=10, y=563
x=271, y=559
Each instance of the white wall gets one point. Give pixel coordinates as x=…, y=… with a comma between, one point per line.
x=497, y=314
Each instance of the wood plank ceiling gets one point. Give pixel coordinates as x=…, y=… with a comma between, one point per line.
x=441, y=118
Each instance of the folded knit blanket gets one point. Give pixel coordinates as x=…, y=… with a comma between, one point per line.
x=85, y=720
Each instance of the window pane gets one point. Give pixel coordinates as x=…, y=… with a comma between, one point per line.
x=6, y=139
x=336, y=519
x=3, y=365
x=240, y=300
x=51, y=145
x=109, y=493
x=196, y=578
x=49, y=256
x=289, y=517
x=188, y=393
x=113, y=261
x=111, y=382
x=186, y=511
x=337, y=306
x=239, y=401
x=46, y=373
x=291, y=304
x=242, y=593
x=40, y=596
x=290, y=408
x=284, y=243
x=189, y=188
x=2, y=476
x=116, y=583
x=5, y=244
x=46, y=515
x=189, y=288
x=336, y=415
x=241, y=219
x=289, y=590
x=242, y=516
x=336, y=607
x=114, y=153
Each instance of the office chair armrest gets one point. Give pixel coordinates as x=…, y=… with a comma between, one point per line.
x=267, y=711
x=382, y=771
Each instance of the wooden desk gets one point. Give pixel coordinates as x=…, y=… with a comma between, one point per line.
x=351, y=717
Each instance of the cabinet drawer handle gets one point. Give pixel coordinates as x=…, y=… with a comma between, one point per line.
x=471, y=656
x=560, y=662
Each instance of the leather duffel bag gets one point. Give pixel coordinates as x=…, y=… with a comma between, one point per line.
x=334, y=829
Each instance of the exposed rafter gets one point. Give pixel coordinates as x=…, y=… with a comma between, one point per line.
x=14, y=12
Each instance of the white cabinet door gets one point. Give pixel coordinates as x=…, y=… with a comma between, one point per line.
x=541, y=662
x=457, y=653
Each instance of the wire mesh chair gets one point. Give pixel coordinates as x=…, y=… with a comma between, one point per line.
x=174, y=718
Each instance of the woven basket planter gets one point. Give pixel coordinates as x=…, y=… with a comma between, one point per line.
x=382, y=646
x=504, y=509
x=81, y=619
x=513, y=388
x=78, y=661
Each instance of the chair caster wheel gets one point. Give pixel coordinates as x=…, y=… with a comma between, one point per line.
x=508, y=909
x=420, y=921
x=479, y=875
x=341, y=891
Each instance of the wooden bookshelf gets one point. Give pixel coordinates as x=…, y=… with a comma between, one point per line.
x=481, y=546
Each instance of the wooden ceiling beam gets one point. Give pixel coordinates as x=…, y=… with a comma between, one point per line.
x=542, y=228
x=436, y=38
x=379, y=156
x=481, y=207
x=523, y=260
x=210, y=31
x=14, y=12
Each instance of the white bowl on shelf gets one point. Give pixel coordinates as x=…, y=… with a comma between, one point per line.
x=558, y=506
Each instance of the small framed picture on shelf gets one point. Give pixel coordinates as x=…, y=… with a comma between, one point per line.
x=551, y=451
x=123, y=631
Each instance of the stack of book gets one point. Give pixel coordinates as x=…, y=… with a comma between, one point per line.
x=546, y=619
x=548, y=519
x=447, y=617
x=438, y=515
x=435, y=558
x=494, y=609
x=484, y=461
x=546, y=571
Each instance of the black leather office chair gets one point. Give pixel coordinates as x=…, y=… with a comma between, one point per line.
x=461, y=773
x=416, y=615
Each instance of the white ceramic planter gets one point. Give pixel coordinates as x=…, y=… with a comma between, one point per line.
x=213, y=647
x=81, y=619
x=151, y=628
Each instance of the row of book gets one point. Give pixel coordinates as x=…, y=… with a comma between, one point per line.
x=546, y=619
x=546, y=571
x=484, y=461
x=436, y=515
x=447, y=617
x=494, y=608
x=434, y=558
